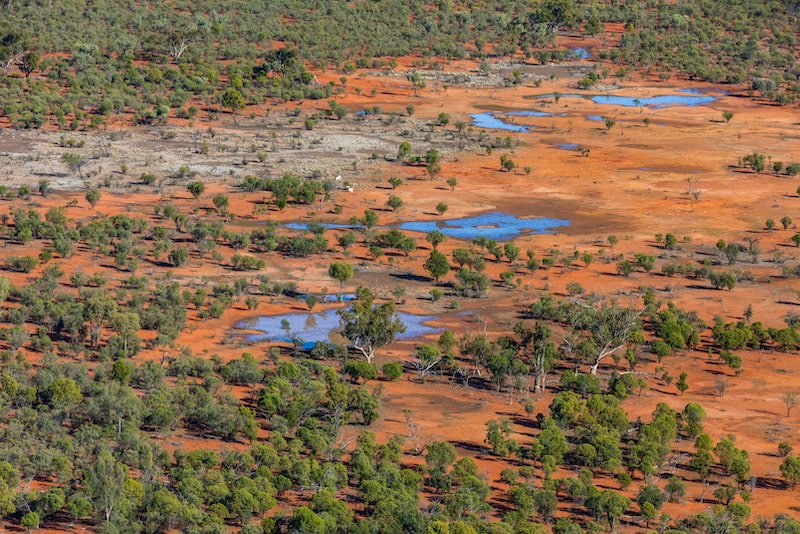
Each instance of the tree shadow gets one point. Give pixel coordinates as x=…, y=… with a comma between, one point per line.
x=411, y=277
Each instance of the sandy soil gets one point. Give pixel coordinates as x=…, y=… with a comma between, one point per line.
x=635, y=181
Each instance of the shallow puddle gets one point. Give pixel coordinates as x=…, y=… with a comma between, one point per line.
x=496, y=225
x=309, y=328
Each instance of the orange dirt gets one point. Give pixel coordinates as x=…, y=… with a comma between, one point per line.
x=633, y=184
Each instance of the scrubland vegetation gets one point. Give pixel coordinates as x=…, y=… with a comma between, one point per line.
x=128, y=404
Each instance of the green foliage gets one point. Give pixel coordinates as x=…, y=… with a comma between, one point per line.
x=497, y=435
x=370, y=326
x=392, y=371
x=196, y=188
x=790, y=470
x=506, y=163
x=471, y=283
x=437, y=265
x=245, y=262
x=23, y=264
x=93, y=197
x=755, y=161
x=74, y=162
x=433, y=162
x=341, y=272
x=394, y=202
x=435, y=238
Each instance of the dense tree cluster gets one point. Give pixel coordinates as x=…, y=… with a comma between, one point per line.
x=158, y=60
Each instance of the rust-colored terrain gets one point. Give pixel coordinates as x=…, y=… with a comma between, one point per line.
x=638, y=172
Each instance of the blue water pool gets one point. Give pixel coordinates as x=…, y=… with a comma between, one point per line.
x=311, y=328
x=661, y=101
x=686, y=97
x=568, y=146
x=331, y=226
x=488, y=120
x=496, y=225
x=595, y=118
x=346, y=297
x=529, y=113
x=580, y=53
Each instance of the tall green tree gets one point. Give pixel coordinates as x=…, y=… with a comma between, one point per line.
x=369, y=326
x=196, y=188
x=341, y=271
x=540, y=352
x=437, y=265
x=104, y=483
x=233, y=100
x=74, y=162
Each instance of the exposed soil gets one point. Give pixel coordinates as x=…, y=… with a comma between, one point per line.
x=633, y=183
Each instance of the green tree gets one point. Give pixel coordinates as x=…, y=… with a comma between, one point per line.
x=221, y=202
x=651, y=494
x=404, y=151
x=93, y=197
x=30, y=521
x=439, y=457
x=346, y=240
x=441, y=208
x=104, y=483
x=540, y=351
x=452, y=182
x=394, y=202
x=675, y=489
x=233, y=100
x=507, y=164
x=416, y=80
x=682, y=384
x=645, y=261
x=369, y=326
x=98, y=308
x=608, y=505
x=306, y=521
x=341, y=271
x=44, y=187
x=178, y=256
x=196, y=189
x=790, y=470
x=64, y=393
x=436, y=237
x=74, y=162
x=755, y=161
x=437, y=265
x=693, y=416
x=625, y=267
x=649, y=512
x=512, y=251
x=426, y=359
x=433, y=162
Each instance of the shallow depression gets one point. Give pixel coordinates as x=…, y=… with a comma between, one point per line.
x=311, y=328
x=489, y=120
x=495, y=225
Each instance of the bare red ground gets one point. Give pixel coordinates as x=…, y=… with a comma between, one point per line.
x=633, y=184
